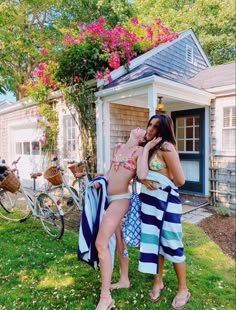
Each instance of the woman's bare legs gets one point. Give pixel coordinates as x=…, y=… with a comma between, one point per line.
x=123, y=262
x=182, y=294
x=111, y=220
x=158, y=285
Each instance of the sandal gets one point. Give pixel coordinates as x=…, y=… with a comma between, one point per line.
x=154, y=293
x=112, y=303
x=183, y=299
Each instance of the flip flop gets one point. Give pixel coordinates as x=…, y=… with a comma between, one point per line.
x=153, y=293
x=112, y=304
x=177, y=299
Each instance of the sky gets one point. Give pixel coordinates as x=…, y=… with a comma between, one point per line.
x=9, y=96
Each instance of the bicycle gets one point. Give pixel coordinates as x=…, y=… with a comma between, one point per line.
x=70, y=196
x=18, y=207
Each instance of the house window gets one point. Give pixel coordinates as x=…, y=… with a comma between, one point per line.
x=69, y=137
x=189, y=54
x=18, y=148
x=35, y=148
x=188, y=134
x=229, y=126
x=26, y=148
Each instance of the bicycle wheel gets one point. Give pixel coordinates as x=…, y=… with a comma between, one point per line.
x=62, y=194
x=14, y=207
x=51, y=215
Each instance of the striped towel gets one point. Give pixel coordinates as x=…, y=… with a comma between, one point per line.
x=95, y=204
x=161, y=229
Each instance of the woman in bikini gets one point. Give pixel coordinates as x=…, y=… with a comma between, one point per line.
x=160, y=171
x=122, y=170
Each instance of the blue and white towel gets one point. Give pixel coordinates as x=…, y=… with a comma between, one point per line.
x=161, y=229
x=96, y=203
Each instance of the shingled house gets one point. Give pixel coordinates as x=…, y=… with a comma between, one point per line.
x=199, y=97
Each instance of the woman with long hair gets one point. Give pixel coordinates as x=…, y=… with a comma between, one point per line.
x=160, y=171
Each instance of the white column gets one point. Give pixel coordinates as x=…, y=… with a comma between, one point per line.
x=107, y=137
x=152, y=100
x=99, y=131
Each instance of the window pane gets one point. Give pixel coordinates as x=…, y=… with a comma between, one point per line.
x=18, y=148
x=180, y=121
x=197, y=146
x=197, y=132
x=26, y=146
x=180, y=133
x=197, y=120
x=189, y=121
x=226, y=117
x=189, y=145
x=35, y=148
x=233, y=117
x=180, y=145
x=189, y=132
x=228, y=140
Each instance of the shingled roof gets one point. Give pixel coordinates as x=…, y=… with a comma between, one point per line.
x=215, y=76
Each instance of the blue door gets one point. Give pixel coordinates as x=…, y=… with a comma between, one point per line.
x=189, y=129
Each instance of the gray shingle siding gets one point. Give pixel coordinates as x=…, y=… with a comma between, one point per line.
x=173, y=59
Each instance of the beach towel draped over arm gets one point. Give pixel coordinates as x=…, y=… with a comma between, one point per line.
x=95, y=204
x=161, y=229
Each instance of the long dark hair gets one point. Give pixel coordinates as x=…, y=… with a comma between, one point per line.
x=165, y=130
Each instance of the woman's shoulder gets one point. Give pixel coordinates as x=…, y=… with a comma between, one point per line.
x=167, y=147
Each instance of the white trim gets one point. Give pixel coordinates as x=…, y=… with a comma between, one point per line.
x=115, y=74
x=223, y=90
x=178, y=91
x=207, y=154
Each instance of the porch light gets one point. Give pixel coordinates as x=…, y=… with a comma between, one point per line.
x=160, y=105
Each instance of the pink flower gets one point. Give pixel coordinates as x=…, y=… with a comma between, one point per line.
x=134, y=20
x=99, y=75
x=109, y=78
x=43, y=50
x=114, y=60
x=41, y=66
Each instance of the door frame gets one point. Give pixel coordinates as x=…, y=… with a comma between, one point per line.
x=192, y=186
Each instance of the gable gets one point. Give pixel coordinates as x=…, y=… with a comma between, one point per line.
x=167, y=60
x=172, y=60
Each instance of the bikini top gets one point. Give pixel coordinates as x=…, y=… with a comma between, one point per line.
x=155, y=164
x=128, y=163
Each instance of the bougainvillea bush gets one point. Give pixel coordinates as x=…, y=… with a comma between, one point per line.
x=93, y=51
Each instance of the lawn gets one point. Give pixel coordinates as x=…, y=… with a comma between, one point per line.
x=37, y=272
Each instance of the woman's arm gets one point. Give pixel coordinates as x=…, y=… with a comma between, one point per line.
x=142, y=163
x=173, y=164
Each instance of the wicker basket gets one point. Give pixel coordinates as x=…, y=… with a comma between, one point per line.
x=10, y=183
x=78, y=167
x=53, y=176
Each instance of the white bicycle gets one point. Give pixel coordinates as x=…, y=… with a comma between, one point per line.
x=18, y=207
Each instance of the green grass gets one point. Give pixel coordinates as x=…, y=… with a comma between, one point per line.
x=37, y=272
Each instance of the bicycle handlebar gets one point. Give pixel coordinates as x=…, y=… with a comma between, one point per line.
x=16, y=161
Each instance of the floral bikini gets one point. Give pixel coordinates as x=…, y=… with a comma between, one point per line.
x=128, y=163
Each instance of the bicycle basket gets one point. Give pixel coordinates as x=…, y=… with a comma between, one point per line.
x=10, y=183
x=78, y=167
x=53, y=176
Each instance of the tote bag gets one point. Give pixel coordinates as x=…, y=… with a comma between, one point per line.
x=131, y=229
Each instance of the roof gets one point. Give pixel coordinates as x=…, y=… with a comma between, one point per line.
x=5, y=104
x=215, y=76
x=146, y=70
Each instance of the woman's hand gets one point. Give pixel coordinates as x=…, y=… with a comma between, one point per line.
x=96, y=185
x=149, y=185
x=151, y=144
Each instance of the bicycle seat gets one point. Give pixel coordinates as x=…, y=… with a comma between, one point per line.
x=35, y=175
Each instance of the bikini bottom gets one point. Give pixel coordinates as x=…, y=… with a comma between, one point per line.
x=120, y=196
